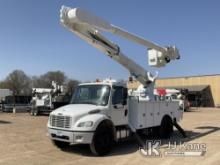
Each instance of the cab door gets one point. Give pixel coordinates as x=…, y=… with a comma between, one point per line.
x=119, y=110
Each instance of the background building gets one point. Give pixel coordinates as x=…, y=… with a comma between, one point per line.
x=4, y=93
x=203, y=90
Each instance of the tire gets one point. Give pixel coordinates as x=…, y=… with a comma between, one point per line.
x=60, y=144
x=102, y=141
x=166, y=128
x=155, y=131
x=35, y=112
x=31, y=113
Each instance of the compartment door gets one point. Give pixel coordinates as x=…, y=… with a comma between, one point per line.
x=141, y=114
x=157, y=113
x=149, y=116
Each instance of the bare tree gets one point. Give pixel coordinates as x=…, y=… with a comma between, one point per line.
x=71, y=86
x=3, y=85
x=18, y=82
x=21, y=84
x=45, y=80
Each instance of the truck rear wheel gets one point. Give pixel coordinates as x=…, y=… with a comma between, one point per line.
x=32, y=112
x=60, y=144
x=102, y=140
x=166, y=128
x=35, y=113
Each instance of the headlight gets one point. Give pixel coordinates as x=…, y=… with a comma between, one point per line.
x=85, y=124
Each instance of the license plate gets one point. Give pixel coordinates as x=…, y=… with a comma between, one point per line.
x=59, y=133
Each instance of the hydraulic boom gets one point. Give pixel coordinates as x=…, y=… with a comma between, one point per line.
x=87, y=26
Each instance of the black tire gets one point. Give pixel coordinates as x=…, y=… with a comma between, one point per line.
x=166, y=128
x=102, y=140
x=155, y=131
x=60, y=144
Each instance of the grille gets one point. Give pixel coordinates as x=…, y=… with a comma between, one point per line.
x=60, y=121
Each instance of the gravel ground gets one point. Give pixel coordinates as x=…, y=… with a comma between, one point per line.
x=23, y=140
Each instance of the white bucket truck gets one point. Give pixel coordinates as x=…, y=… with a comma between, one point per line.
x=45, y=100
x=101, y=113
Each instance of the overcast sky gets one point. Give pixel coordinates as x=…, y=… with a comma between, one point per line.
x=32, y=39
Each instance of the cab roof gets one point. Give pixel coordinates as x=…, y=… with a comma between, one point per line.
x=109, y=82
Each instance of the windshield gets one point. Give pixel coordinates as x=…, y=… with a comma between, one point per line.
x=41, y=95
x=91, y=94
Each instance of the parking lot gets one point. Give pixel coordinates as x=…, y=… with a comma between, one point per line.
x=23, y=140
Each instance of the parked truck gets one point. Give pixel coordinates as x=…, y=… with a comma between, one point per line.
x=102, y=112
x=19, y=103
x=173, y=95
x=45, y=100
x=3, y=94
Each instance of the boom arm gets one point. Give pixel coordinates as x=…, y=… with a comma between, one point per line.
x=86, y=26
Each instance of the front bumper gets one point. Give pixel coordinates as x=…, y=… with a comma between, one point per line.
x=74, y=137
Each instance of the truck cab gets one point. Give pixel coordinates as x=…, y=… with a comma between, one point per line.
x=93, y=107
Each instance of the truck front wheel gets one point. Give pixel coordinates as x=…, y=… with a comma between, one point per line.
x=102, y=140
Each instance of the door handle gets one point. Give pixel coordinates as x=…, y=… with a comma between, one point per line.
x=126, y=112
